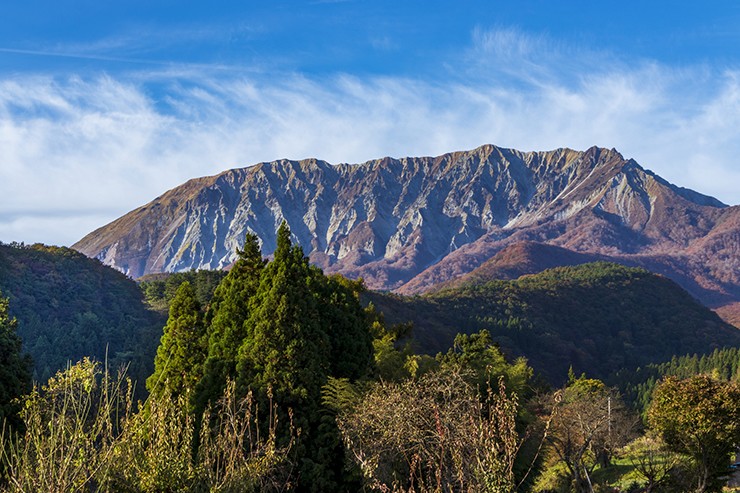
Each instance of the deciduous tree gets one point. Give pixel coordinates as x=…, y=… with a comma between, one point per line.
x=434, y=434
x=589, y=423
x=699, y=416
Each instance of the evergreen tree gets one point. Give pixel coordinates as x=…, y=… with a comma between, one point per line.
x=346, y=323
x=226, y=320
x=286, y=349
x=302, y=328
x=181, y=354
x=15, y=368
x=229, y=309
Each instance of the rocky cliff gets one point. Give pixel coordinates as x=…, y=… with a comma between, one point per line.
x=408, y=224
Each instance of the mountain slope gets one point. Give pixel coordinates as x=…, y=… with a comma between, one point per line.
x=598, y=317
x=529, y=257
x=409, y=224
x=69, y=306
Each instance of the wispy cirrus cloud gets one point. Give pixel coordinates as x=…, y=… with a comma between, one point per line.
x=80, y=151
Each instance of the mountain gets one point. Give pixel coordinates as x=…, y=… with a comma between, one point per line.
x=597, y=317
x=69, y=306
x=410, y=224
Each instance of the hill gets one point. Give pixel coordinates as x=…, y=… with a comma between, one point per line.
x=598, y=317
x=528, y=257
x=69, y=306
x=410, y=224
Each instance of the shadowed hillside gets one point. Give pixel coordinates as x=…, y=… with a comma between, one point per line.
x=597, y=317
x=69, y=306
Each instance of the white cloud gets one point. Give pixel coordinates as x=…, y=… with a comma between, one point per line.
x=78, y=152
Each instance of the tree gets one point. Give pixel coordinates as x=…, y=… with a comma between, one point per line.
x=478, y=353
x=178, y=366
x=286, y=353
x=302, y=328
x=346, y=323
x=15, y=367
x=433, y=434
x=230, y=307
x=589, y=422
x=651, y=460
x=699, y=416
x=226, y=320
x=285, y=348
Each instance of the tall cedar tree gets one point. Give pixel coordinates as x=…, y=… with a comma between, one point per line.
x=286, y=352
x=15, y=368
x=182, y=351
x=226, y=320
x=302, y=328
x=346, y=323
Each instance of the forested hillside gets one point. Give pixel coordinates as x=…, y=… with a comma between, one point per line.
x=638, y=384
x=69, y=306
x=159, y=289
x=597, y=318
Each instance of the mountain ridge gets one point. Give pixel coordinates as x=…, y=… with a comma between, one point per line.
x=408, y=224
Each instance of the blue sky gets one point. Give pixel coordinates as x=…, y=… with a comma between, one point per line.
x=105, y=105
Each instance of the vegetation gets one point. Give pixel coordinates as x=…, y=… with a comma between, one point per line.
x=434, y=434
x=273, y=377
x=178, y=366
x=596, y=317
x=588, y=424
x=82, y=434
x=69, y=306
x=638, y=384
x=15, y=377
x=699, y=417
x=302, y=328
x=654, y=465
x=279, y=330
x=160, y=289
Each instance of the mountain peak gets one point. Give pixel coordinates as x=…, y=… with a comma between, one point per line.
x=413, y=220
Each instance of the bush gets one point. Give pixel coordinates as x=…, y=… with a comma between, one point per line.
x=82, y=434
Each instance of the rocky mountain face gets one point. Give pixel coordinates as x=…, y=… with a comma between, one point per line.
x=410, y=224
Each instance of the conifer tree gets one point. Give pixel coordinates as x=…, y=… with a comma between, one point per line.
x=178, y=365
x=229, y=309
x=226, y=320
x=297, y=316
x=286, y=350
x=15, y=368
x=346, y=323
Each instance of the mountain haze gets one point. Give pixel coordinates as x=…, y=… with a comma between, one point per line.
x=409, y=224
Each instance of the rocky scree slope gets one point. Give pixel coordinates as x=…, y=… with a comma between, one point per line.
x=409, y=224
